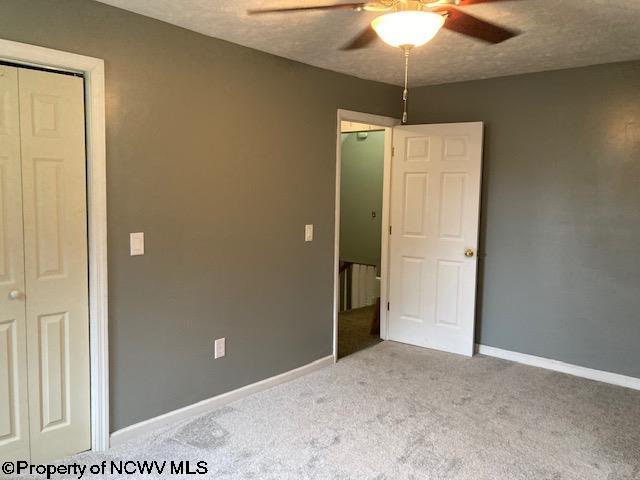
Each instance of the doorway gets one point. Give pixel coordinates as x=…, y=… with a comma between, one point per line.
x=362, y=181
x=428, y=258
x=362, y=169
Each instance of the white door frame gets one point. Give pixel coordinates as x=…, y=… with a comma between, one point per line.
x=388, y=123
x=93, y=71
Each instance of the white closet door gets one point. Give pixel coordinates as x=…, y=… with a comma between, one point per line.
x=14, y=411
x=55, y=243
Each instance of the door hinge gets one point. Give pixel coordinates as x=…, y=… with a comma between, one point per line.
x=389, y=229
x=388, y=306
x=393, y=151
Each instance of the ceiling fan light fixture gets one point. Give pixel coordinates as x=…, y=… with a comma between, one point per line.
x=408, y=28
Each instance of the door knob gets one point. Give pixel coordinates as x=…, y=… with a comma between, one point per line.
x=469, y=252
x=15, y=294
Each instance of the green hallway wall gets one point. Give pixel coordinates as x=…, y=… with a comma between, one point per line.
x=360, y=194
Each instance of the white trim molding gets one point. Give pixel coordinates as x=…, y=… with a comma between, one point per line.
x=558, y=366
x=93, y=72
x=388, y=123
x=190, y=411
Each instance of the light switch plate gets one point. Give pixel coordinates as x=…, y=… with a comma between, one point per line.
x=308, y=233
x=136, y=243
x=219, y=348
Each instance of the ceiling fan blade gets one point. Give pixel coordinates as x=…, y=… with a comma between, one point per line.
x=475, y=27
x=335, y=6
x=362, y=40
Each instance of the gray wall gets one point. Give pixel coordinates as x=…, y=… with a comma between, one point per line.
x=560, y=274
x=220, y=154
x=360, y=194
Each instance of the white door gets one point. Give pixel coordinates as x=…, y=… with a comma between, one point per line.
x=435, y=200
x=46, y=257
x=55, y=244
x=14, y=411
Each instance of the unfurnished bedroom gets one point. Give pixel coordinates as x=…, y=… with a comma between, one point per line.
x=280, y=239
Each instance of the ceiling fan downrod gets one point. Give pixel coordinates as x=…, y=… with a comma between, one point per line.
x=405, y=92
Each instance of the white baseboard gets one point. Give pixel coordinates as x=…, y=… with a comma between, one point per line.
x=120, y=436
x=558, y=366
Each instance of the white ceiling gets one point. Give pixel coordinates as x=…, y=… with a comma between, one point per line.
x=556, y=34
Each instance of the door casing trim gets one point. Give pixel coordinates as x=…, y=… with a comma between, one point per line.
x=93, y=71
x=388, y=123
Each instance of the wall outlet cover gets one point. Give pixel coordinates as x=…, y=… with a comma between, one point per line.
x=308, y=233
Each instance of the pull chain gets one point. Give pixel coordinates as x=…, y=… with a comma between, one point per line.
x=405, y=92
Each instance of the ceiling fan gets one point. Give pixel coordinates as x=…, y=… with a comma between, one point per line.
x=407, y=24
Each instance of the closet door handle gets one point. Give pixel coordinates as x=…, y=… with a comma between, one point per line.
x=15, y=294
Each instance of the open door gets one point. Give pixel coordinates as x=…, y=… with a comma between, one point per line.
x=435, y=203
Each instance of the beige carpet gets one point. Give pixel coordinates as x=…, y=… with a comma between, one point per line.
x=353, y=331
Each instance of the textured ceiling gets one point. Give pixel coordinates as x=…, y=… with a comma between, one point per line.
x=556, y=34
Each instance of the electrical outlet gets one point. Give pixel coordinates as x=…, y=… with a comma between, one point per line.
x=308, y=233
x=219, y=348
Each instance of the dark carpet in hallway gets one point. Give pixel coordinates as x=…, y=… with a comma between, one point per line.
x=354, y=328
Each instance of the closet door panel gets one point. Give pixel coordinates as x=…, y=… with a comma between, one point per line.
x=14, y=411
x=55, y=242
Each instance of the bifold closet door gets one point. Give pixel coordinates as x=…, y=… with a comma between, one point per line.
x=55, y=253
x=14, y=410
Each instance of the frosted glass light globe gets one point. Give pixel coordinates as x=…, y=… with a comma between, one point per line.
x=408, y=28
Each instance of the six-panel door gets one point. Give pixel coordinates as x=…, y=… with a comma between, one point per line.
x=435, y=199
x=14, y=410
x=48, y=416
